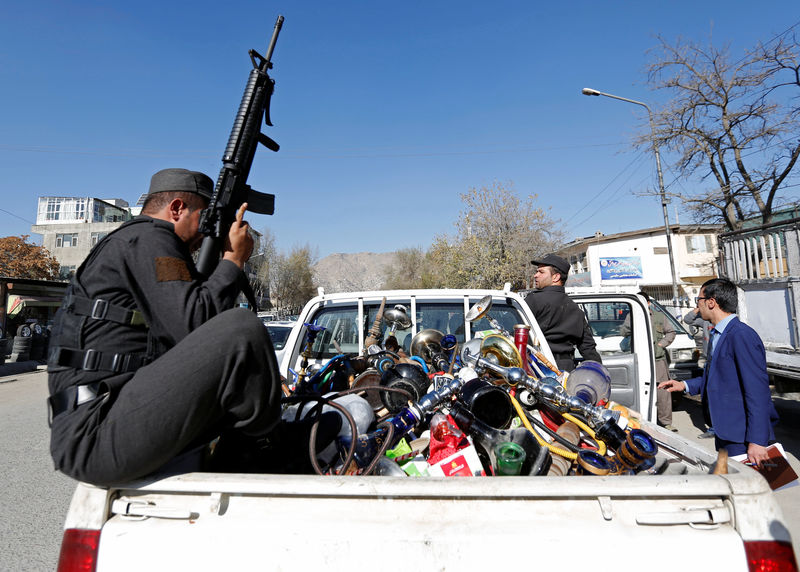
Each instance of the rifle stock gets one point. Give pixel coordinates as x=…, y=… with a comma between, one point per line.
x=231, y=189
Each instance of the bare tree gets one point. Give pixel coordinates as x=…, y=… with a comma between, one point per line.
x=261, y=263
x=732, y=124
x=497, y=233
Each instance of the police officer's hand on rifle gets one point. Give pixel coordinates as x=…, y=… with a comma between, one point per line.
x=239, y=244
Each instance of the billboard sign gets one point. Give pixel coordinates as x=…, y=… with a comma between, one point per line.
x=621, y=268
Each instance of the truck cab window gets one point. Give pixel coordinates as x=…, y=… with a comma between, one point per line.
x=679, y=328
x=610, y=326
x=447, y=317
x=340, y=325
x=505, y=314
x=371, y=310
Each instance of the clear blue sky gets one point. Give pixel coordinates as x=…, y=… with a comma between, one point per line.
x=385, y=111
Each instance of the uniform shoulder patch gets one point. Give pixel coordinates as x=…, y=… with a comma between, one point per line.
x=169, y=269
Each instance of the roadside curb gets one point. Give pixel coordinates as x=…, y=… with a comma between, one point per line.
x=16, y=368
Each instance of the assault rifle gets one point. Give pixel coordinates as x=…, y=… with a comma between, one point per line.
x=232, y=189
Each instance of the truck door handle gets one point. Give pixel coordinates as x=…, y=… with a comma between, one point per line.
x=709, y=515
x=148, y=509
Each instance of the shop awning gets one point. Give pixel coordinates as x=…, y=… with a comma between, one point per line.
x=16, y=303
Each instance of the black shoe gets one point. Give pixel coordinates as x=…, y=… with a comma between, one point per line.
x=285, y=450
x=290, y=442
x=707, y=435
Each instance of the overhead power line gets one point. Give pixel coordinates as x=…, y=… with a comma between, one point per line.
x=768, y=42
x=636, y=158
x=17, y=216
x=302, y=153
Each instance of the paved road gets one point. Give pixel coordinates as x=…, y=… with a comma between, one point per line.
x=33, y=498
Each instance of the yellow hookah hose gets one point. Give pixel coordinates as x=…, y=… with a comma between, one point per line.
x=601, y=447
x=553, y=449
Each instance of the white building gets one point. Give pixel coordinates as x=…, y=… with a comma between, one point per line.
x=71, y=226
x=639, y=260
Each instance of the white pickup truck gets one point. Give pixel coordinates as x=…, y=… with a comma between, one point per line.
x=677, y=515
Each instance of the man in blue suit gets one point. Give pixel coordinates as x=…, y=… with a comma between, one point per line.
x=734, y=384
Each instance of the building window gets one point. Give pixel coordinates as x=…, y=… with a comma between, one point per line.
x=102, y=212
x=698, y=243
x=53, y=209
x=80, y=209
x=67, y=240
x=97, y=237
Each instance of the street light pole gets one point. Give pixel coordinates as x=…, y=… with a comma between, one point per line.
x=594, y=92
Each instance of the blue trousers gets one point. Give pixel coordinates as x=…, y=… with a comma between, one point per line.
x=732, y=447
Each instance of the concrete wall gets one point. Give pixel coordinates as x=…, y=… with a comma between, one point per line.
x=72, y=255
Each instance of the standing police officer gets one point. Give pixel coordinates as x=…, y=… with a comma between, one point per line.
x=148, y=360
x=562, y=322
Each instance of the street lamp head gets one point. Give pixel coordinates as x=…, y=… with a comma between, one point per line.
x=589, y=91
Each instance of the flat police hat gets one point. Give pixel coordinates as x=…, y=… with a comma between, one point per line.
x=183, y=181
x=555, y=261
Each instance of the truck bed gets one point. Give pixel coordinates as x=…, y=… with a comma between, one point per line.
x=242, y=521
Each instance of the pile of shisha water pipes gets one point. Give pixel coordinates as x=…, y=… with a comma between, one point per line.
x=480, y=411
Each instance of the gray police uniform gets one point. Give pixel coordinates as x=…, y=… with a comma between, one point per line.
x=148, y=360
x=564, y=326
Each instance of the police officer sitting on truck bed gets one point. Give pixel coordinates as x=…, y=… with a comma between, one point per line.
x=562, y=322
x=149, y=360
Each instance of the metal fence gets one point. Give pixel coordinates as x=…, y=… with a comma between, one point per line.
x=765, y=263
x=766, y=252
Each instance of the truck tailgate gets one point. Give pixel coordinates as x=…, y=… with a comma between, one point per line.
x=295, y=522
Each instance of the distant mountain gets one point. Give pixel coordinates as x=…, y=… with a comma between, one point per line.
x=352, y=272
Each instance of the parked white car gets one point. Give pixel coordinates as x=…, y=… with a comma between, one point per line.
x=279, y=331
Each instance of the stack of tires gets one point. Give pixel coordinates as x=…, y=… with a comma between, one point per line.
x=21, y=347
x=3, y=343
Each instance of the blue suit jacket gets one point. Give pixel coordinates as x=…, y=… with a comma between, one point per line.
x=737, y=383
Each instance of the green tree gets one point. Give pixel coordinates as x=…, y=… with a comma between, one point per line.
x=448, y=263
x=291, y=279
x=732, y=125
x=407, y=270
x=21, y=259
